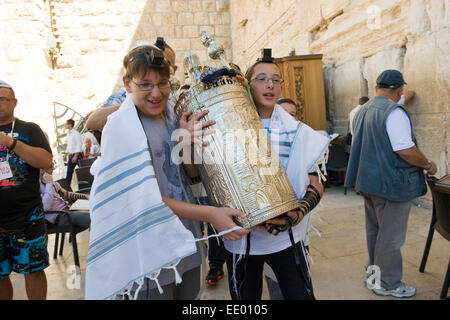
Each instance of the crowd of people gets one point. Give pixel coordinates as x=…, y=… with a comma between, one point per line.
x=385, y=166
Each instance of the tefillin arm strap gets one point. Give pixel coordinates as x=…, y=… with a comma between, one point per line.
x=310, y=200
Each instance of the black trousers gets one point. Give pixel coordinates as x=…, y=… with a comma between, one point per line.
x=249, y=275
x=70, y=168
x=216, y=251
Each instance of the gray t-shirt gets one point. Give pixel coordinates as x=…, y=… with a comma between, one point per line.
x=158, y=133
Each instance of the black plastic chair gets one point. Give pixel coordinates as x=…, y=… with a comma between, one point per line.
x=84, y=177
x=440, y=221
x=64, y=184
x=86, y=162
x=337, y=159
x=72, y=229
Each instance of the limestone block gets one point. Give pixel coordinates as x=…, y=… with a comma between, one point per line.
x=14, y=53
x=201, y=18
x=331, y=8
x=149, y=7
x=418, y=19
x=224, y=41
x=165, y=31
x=111, y=46
x=426, y=70
x=167, y=18
x=208, y=29
x=191, y=32
x=182, y=44
x=178, y=31
x=163, y=6
x=226, y=19
x=195, y=5
x=196, y=44
x=78, y=72
x=99, y=34
x=145, y=20
x=386, y=59
x=439, y=14
x=431, y=131
x=180, y=5
x=209, y=5
x=185, y=18
x=222, y=30
x=347, y=86
x=222, y=5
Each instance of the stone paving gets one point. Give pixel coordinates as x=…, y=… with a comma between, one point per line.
x=339, y=257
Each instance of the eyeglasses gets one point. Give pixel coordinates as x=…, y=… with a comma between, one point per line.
x=150, y=86
x=275, y=80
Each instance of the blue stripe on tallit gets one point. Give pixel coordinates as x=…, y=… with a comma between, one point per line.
x=98, y=205
x=127, y=231
x=122, y=175
x=281, y=143
x=115, y=163
x=128, y=222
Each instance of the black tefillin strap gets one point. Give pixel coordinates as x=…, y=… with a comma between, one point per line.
x=302, y=268
x=154, y=58
x=309, y=202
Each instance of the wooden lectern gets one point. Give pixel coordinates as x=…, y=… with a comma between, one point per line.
x=303, y=83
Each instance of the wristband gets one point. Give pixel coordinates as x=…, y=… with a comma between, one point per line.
x=429, y=165
x=13, y=145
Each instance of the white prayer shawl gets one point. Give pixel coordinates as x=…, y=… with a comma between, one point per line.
x=309, y=150
x=133, y=233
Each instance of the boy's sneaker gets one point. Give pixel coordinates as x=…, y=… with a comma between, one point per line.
x=213, y=276
x=402, y=291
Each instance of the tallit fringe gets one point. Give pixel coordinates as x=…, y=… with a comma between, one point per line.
x=322, y=162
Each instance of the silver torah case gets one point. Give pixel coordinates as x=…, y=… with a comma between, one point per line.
x=239, y=168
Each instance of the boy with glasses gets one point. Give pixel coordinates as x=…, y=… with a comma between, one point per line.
x=137, y=181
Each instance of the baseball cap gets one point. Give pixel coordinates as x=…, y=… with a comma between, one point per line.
x=391, y=79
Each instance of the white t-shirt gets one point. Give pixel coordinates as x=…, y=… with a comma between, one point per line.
x=398, y=127
x=351, y=116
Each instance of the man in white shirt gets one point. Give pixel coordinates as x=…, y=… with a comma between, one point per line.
x=406, y=96
x=386, y=167
x=352, y=113
x=74, y=149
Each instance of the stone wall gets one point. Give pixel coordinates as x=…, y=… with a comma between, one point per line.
x=359, y=39
x=71, y=51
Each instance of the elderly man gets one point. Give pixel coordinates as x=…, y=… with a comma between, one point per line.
x=386, y=166
x=23, y=242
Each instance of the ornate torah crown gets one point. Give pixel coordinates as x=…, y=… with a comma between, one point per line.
x=239, y=168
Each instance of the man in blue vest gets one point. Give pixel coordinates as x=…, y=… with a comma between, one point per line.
x=386, y=167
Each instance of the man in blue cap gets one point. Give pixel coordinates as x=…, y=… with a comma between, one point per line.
x=386, y=167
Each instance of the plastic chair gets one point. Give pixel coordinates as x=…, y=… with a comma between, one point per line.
x=337, y=159
x=72, y=229
x=64, y=184
x=87, y=162
x=440, y=221
x=84, y=177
